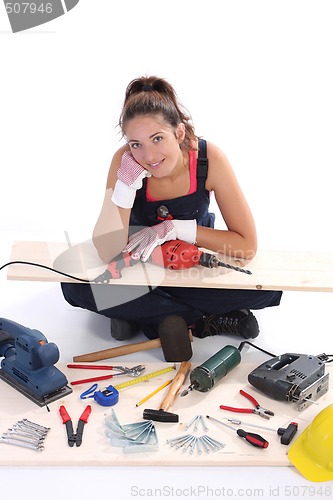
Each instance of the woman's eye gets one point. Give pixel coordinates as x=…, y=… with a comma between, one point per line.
x=135, y=145
x=158, y=138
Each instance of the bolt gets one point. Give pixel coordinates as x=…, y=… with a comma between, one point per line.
x=198, y=443
x=191, y=422
x=188, y=443
x=204, y=445
x=210, y=442
x=197, y=421
x=176, y=440
x=192, y=445
x=216, y=443
x=184, y=441
x=203, y=423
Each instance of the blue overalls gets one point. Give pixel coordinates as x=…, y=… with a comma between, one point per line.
x=148, y=306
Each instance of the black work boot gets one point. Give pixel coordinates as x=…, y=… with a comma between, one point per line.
x=121, y=329
x=241, y=323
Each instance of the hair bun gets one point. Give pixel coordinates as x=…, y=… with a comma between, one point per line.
x=147, y=88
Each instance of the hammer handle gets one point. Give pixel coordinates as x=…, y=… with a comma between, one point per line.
x=118, y=351
x=176, y=385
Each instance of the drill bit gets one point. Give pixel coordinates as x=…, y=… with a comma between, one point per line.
x=186, y=391
x=234, y=268
x=210, y=260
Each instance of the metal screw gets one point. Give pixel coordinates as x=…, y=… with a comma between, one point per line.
x=204, y=445
x=191, y=422
x=198, y=443
x=197, y=422
x=216, y=444
x=203, y=423
x=193, y=445
x=188, y=443
x=183, y=442
x=173, y=441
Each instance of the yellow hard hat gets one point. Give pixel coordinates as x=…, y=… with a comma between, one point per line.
x=312, y=452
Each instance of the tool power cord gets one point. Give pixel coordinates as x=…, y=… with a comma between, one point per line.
x=44, y=267
x=325, y=358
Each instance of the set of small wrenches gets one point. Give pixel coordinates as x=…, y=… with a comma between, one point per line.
x=26, y=434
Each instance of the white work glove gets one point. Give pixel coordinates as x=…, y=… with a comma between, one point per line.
x=148, y=238
x=130, y=177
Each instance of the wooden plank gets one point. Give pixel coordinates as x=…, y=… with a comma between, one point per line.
x=96, y=448
x=271, y=269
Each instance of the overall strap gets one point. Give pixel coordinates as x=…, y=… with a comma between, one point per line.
x=202, y=161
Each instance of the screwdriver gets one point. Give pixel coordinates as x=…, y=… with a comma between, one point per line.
x=254, y=439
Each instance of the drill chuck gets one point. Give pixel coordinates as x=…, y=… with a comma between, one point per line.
x=204, y=377
x=208, y=260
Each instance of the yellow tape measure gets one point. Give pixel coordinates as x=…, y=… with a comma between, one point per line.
x=144, y=377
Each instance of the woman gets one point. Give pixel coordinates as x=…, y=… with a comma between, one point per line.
x=158, y=189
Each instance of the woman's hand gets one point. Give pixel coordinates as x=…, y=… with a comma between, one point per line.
x=148, y=238
x=130, y=177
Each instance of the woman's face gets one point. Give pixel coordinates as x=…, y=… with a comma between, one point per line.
x=155, y=144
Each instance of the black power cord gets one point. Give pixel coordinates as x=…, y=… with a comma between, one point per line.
x=242, y=344
x=44, y=267
x=325, y=358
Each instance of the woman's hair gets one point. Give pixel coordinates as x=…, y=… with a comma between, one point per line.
x=151, y=95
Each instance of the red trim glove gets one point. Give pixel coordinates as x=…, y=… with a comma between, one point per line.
x=148, y=238
x=130, y=176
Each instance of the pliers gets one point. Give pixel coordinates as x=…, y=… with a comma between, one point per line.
x=74, y=438
x=132, y=372
x=258, y=410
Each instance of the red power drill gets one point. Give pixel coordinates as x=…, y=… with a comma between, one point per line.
x=174, y=254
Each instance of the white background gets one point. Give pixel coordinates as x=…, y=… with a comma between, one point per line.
x=256, y=77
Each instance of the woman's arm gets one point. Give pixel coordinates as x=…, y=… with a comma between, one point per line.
x=111, y=230
x=240, y=238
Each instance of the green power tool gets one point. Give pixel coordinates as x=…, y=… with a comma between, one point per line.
x=205, y=376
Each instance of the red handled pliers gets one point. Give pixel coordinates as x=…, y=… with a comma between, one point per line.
x=74, y=437
x=258, y=410
x=132, y=372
